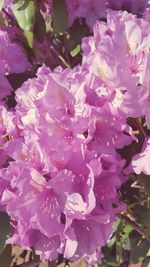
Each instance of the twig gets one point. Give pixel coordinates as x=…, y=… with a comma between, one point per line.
x=133, y=225
x=139, y=126
x=59, y=56
x=8, y=15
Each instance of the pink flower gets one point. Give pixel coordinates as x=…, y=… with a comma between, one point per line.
x=64, y=153
x=12, y=55
x=140, y=162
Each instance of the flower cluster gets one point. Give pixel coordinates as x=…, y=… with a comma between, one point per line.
x=60, y=163
x=12, y=59
x=63, y=179
x=119, y=55
x=97, y=9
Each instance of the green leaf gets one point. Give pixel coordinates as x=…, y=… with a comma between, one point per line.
x=2, y=20
x=112, y=241
x=5, y=257
x=1, y=5
x=113, y=264
x=116, y=225
x=139, y=252
x=145, y=218
x=5, y=229
x=111, y=261
x=148, y=253
x=40, y=27
x=29, y=36
x=126, y=243
x=103, y=264
x=77, y=32
x=119, y=251
x=24, y=12
x=60, y=16
x=134, y=238
x=75, y=51
x=128, y=229
x=48, y=23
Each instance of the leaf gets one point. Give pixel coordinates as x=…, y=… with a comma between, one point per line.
x=139, y=210
x=116, y=225
x=145, y=181
x=75, y=51
x=146, y=263
x=44, y=264
x=112, y=262
x=1, y=5
x=5, y=257
x=29, y=36
x=112, y=241
x=145, y=218
x=2, y=20
x=48, y=23
x=119, y=251
x=135, y=238
x=103, y=264
x=139, y=252
x=124, y=237
x=126, y=243
x=5, y=229
x=128, y=229
x=24, y=12
x=60, y=16
x=40, y=27
x=77, y=32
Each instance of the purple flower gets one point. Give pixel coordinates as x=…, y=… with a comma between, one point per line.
x=12, y=56
x=65, y=169
x=140, y=162
x=12, y=59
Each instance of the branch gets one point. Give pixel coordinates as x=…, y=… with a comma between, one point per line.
x=136, y=227
x=59, y=56
x=139, y=126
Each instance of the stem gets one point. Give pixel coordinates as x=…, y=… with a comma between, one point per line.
x=59, y=56
x=8, y=15
x=136, y=203
x=133, y=225
x=139, y=126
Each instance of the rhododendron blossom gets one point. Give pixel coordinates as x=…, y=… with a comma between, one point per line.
x=63, y=178
x=92, y=10
x=124, y=68
x=12, y=59
x=63, y=141
x=140, y=162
